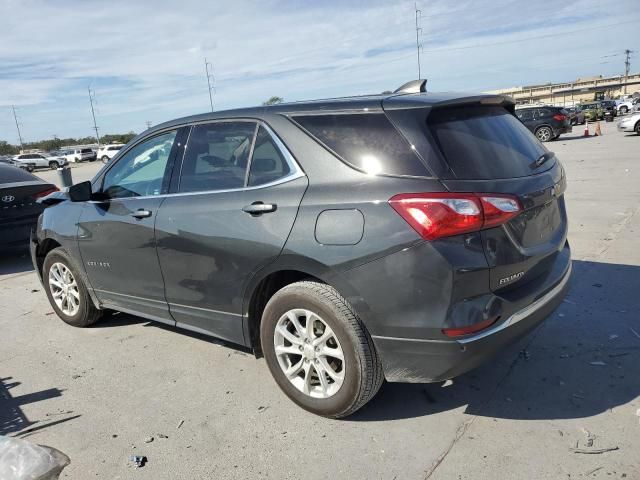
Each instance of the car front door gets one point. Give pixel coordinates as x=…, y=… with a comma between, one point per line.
x=236, y=201
x=116, y=231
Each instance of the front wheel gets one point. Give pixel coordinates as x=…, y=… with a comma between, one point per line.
x=623, y=110
x=318, y=351
x=53, y=165
x=544, y=134
x=637, y=128
x=66, y=290
x=105, y=159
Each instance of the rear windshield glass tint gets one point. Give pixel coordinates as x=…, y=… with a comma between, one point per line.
x=485, y=142
x=10, y=174
x=367, y=142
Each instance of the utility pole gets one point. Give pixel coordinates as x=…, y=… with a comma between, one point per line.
x=15, y=117
x=93, y=114
x=418, y=30
x=148, y=124
x=627, y=67
x=209, y=76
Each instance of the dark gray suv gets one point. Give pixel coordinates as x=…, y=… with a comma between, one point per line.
x=405, y=237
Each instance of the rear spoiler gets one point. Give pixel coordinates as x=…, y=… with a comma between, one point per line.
x=444, y=100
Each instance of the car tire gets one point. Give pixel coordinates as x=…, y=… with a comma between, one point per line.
x=66, y=290
x=53, y=165
x=350, y=382
x=105, y=159
x=637, y=128
x=544, y=134
x=623, y=110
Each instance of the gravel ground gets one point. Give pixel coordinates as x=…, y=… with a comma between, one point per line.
x=97, y=394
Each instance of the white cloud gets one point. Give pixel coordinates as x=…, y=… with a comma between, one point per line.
x=145, y=60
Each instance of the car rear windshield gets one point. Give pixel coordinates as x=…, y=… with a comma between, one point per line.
x=366, y=141
x=482, y=143
x=86, y=150
x=10, y=174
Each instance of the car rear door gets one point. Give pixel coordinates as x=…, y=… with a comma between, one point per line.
x=116, y=232
x=235, y=203
x=489, y=152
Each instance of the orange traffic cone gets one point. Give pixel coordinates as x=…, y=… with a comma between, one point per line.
x=586, y=129
x=598, y=132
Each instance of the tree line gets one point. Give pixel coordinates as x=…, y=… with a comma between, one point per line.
x=56, y=143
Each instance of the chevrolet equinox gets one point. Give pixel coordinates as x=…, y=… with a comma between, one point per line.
x=406, y=237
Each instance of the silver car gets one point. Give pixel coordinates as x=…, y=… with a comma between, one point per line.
x=630, y=123
x=40, y=160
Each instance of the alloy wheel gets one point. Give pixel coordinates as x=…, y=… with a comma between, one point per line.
x=544, y=134
x=64, y=289
x=309, y=353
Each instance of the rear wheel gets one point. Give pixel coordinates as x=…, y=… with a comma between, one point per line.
x=544, y=134
x=66, y=290
x=318, y=351
x=53, y=165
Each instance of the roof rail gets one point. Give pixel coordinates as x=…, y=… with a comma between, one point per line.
x=414, y=86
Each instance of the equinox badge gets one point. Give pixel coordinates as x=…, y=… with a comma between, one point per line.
x=510, y=278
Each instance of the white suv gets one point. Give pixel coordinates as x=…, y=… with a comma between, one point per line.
x=107, y=152
x=39, y=160
x=79, y=155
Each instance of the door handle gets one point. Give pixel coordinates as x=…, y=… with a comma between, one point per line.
x=258, y=208
x=141, y=213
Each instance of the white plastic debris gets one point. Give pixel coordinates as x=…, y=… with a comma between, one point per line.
x=22, y=460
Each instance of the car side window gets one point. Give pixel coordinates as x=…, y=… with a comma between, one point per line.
x=525, y=115
x=267, y=163
x=216, y=156
x=142, y=170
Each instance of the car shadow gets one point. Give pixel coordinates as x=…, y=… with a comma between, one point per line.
x=584, y=360
x=15, y=261
x=12, y=418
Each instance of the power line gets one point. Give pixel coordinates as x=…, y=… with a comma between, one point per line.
x=93, y=113
x=418, y=29
x=209, y=76
x=15, y=117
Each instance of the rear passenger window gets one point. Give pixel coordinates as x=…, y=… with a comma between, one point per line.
x=216, y=156
x=368, y=142
x=267, y=163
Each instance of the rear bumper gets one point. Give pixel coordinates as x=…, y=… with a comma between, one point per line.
x=423, y=360
x=15, y=233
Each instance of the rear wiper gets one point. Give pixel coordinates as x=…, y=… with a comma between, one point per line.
x=542, y=159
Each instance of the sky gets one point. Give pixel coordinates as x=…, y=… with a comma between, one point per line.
x=144, y=60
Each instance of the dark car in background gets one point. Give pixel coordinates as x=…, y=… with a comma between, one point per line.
x=575, y=117
x=546, y=122
x=19, y=191
x=407, y=236
x=610, y=106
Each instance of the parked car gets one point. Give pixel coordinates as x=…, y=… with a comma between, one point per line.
x=39, y=160
x=107, y=152
x=625, y=106
x=80, y=155
x=29, y=167
x=575, y=117
x=407, y=236
x=592, y=111
x=19, y=211
x=630, y=123
x=609, y=106
x=546, y=122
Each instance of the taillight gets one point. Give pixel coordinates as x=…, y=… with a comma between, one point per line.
x=476, y=327
x=437, y=215
x=560, y=117
x=44, y=193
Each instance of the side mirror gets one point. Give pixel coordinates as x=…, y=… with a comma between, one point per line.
x=80, y=192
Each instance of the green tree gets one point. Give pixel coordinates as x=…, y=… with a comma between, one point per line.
x=273, y=101
x=7, y=149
